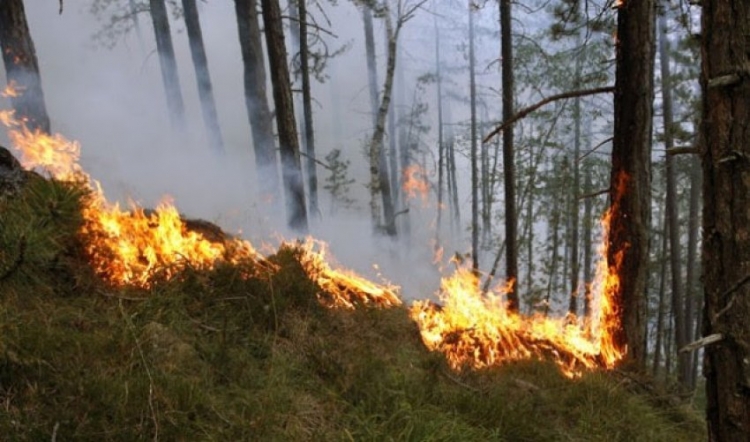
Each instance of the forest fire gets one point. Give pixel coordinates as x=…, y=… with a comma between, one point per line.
x=345, y=288
x=415, y=183
x=473, y=329
x=476, y=330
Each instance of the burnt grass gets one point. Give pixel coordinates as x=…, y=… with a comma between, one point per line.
x=216, y=355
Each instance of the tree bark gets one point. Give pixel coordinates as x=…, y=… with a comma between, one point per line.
x=628, y=245
x=511, y=222
x=441, y=141
x=22, y=67
x=726, y=218
x=574, y=220
x=294, y=192
x=168, y=64
x=256, y=99
x=202, y=75
x=692, y=273
x=662, y=295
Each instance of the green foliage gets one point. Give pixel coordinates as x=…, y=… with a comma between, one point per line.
x=245, y=352
x=338, y=182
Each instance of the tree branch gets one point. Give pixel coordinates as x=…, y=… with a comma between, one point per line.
x=702, y=342
x=525, y=111
x=681, y=150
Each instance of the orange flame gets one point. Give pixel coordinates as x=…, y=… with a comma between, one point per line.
x=476, y=330
x=415, y=183
x=125, y=247
x=343, y=288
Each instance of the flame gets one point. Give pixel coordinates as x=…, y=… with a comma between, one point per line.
x=124, y=247
x=343, y=288
x=415, y=183
x=476, y=330
x=473, y=329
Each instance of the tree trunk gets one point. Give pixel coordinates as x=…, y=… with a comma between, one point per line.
x=474, y=153
x=726, y=218
x=256, y=99
x=511, y=239
x=574, y=221
x=692, y=273
x=627, y=251
x=441, y=141
x=675, y=255
x=312, y=174
x=662, y=295
x=202, y=75
x=21, y=66
x=588, y=222
x=294, y=192
x=168, y=64
x=380, y=186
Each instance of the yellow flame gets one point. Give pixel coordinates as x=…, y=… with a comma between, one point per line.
x=415, y=183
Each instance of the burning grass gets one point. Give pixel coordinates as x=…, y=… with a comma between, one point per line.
x=247, y=351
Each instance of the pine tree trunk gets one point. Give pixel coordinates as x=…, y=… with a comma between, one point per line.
x=22, y=67
x=574, y=222
x=675, y=255
x=474, y=152
x=312, y=174
x=202, y=75
x=630, y=180
x=441, y=142
x=168, y=64
x=588, y=252
x=294, y=192
x=662, y=254
x=692, y=273
x=509, y=175
x=256, y=99
x=726, y=218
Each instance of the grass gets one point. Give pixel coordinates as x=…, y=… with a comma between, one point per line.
x=211, y=355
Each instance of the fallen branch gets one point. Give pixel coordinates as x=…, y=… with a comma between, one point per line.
x=702, y=342
x=525, y=111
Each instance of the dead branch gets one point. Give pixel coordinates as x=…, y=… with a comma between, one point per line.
x=682, y=150
x=595, y=148
x=702, y=342
x=525, y=111
x=594, y=194
x=731, y=290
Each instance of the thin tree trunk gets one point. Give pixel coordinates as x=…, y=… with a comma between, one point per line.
x=675, y=256
x=692, y=274
x=662, y=254
x=588, y=272
x=511, y=239
x=136, y=23
x=256, y=99
x=441, y=142
x=168, y=64
x=474, y=153
x=530, y=225
x=627, y=251
x=312, y=174
x=380, y=185
x=726, y=219
x=574, y=222
x=393, y=153
x=286, y=126
x=202, y=75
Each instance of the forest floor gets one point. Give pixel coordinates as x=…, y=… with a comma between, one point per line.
x=220, y=355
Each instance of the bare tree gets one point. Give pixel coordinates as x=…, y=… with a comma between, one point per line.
x=168, y=64
x=22, y=67
x=294, y=192
x=256, y=100
x=202, y=75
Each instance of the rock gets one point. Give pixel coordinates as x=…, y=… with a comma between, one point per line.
x=12, y=174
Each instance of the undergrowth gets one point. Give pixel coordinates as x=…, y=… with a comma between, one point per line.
x=214, y=355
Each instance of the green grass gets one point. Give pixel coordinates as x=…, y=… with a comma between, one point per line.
x=210, y=355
